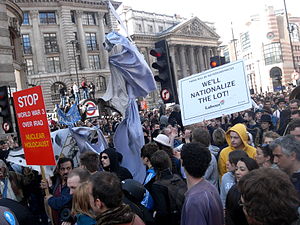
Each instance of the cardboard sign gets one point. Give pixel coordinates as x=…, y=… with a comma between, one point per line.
x=213, y=93
x=33, y=126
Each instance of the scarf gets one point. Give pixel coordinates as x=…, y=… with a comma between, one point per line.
x=6, y=189
x=119, y=215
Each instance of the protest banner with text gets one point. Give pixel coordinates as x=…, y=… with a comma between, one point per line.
x=213, y=93
x=33, y=126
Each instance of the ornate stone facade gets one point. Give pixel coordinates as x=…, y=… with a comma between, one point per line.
x=62, y=43
x=191, y=41
x=11, y=56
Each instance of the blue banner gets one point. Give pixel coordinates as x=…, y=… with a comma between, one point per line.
x=69, y=118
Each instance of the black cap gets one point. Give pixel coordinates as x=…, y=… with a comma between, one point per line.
x=134, y=189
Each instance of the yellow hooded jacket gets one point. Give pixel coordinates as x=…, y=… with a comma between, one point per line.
x=240, y=129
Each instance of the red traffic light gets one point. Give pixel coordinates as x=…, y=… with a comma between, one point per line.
x=213, y=64
x=156, y=52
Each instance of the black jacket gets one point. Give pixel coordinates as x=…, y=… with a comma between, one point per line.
x=115, y=159
x=234, y=214
x=161, y=200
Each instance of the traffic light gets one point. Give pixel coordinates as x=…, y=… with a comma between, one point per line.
x=165, y=75
x=5, y=110
x=216, y=61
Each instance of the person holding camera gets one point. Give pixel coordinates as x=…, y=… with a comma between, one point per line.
x=60, y=197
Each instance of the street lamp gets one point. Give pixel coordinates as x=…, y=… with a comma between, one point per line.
x=260, y=80
x=289, y=32
x=74, y=42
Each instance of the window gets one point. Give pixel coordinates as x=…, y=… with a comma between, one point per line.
x=47, y=18
x=77, y=46
x=94, y=62
x=26, y=44
x=89, y=18
x=53, y=64
x=73, y=16
x=91, y=41
x=272, y=53
x=245, y=41
x=25, y=18
x=29, y=66
x=55, y=96
x=294, y=29
x=101, y=83
x=150, y=28
x=160, y=28
x=50, y=42
x=139, y=27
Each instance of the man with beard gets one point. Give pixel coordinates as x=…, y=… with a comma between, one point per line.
x=106, y=196
x=60, y=197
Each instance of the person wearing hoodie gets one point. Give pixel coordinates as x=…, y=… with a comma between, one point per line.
x=110, y=161
x=237, y=139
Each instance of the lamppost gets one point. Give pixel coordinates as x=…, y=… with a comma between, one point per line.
x=74, y=42
x=233, y=40
x=260, y=81
x=289, y=31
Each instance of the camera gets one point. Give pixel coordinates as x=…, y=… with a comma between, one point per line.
x=65, y=215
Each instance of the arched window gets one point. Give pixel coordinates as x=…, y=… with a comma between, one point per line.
x=55, y=91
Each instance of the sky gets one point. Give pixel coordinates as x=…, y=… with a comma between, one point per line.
x=221, y=12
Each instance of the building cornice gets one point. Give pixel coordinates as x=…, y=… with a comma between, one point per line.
x=75, y=3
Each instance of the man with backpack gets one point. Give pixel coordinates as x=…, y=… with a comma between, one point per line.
x=202, y=203
x=167, y=190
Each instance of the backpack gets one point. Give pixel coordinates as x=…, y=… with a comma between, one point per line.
x=176, y=190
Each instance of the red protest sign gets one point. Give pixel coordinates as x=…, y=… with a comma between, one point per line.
x=33, y=126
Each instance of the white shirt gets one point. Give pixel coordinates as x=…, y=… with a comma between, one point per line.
x=75, y=88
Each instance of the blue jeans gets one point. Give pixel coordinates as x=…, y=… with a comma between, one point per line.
x=77, y=97
x=85, y=93
x=63, y=100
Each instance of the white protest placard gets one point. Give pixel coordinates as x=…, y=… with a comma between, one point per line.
x=213, y=93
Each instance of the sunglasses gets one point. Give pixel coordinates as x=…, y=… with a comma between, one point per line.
x=104, y=157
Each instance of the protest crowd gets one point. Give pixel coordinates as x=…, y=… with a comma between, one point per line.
x=238, y=169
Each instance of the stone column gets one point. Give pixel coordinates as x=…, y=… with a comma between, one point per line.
x=38, y=43
x=172, y=49
x=147, y=52
x=215, y=52
x=6, y=50
x=103, y=52
x=182, y=62
x=207, y=57
x=82, y=42
x=201, y=59
x=61, y=38
x=192, y=60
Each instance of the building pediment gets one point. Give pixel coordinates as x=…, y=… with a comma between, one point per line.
x=193, y=27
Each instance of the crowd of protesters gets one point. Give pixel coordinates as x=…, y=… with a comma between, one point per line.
x=75, y=93
x=238, y=169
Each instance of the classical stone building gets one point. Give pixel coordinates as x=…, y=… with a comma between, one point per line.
x=11, y=56
x=191, y=41
x=62, y=43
